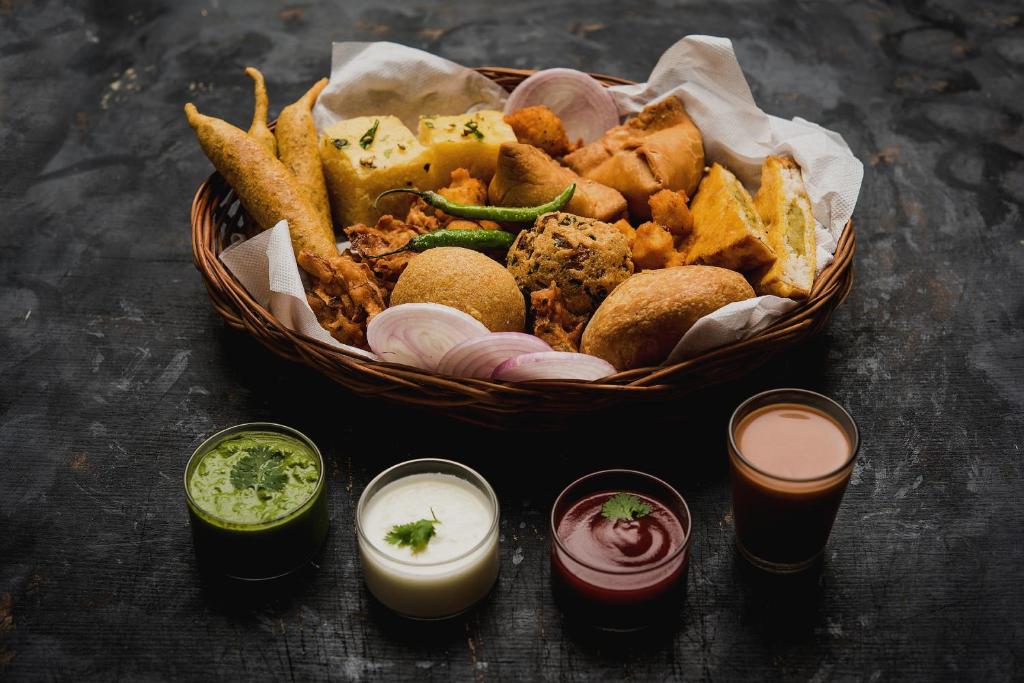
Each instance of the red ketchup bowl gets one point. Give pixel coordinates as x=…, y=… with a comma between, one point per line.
x=620, y=550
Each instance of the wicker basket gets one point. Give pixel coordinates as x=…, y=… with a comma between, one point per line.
x=216, y=214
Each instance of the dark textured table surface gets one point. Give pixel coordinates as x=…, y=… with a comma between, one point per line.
x=113, y=366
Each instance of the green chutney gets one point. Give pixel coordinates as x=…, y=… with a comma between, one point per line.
x=255, y=477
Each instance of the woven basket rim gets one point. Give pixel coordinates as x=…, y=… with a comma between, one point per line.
x=234, y=303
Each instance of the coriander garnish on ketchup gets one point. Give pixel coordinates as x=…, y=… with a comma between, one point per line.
x=619, y=549
x=625, y=506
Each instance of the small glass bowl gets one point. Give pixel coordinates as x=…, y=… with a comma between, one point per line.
x=437, y=590
x=623, y=599
x=267, y=550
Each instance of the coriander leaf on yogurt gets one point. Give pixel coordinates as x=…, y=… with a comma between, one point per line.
x=415, y=535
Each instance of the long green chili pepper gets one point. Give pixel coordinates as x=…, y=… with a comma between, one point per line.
x=503, y=214
x=478, y=240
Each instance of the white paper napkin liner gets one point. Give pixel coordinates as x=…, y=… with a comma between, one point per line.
x=730, y=323
x=266, y=267
x=370, y=79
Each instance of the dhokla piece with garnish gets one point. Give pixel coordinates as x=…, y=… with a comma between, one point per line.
x=468, y=141
x=364, y=156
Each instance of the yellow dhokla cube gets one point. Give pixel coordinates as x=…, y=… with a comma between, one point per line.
x=468, y=141
x=365, y=156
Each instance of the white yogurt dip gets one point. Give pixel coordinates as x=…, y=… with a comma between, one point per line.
x=459, y=564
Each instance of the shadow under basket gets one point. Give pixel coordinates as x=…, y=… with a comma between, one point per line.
x=216, y=215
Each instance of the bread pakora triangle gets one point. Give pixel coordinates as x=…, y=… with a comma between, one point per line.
x=785, y=209
x=727, y=230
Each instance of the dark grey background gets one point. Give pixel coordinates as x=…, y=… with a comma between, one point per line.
x=113, y=365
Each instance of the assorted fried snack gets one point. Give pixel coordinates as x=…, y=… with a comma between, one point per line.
x=387, y=235
x=658, y=149
x=345, y=296
x=553, y=322
x=654, y=247
x=615, y=206
x=541, y=127
x=297, y=147
x=258, y=128
x=785, y=209
x=268, y=190
x=466, y=280
x=670, y=210
x=463, y=189
x=645, y=317
x=526, y=176
x=727, y=230
x=584, y=257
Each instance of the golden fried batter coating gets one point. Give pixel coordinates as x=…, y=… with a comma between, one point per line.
x=258, y=128
x=345, y=296
x=265, y=186
x=653, y=248
x=669, y=210
x=464, y=189
x=298, y=147
x=727, y=230
x=553, y=322
x=541, y=127
x=627, y=230
x=389, y=234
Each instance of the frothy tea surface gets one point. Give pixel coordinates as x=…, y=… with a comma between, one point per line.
x=792, y=441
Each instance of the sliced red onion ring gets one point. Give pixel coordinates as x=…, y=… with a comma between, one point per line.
x=552, y=365
x=586, y=108
x=477, y=357
x=420, y=334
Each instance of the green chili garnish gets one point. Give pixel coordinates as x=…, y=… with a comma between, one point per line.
x=478, y=240
x=505, y=214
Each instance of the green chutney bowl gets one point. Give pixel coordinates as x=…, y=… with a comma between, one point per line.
x=256, y=501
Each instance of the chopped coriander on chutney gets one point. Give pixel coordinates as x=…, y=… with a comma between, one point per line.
x=254, y=477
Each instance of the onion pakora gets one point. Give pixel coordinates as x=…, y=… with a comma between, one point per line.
x=553, y=322
x=344, y=297
x=388, y=235
x=464, y=189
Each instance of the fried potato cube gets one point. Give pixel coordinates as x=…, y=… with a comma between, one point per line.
x=654, y=247
x=540, y=127
x=669, y=210
x=627, y=230
x=366, y=155
x=468, y=141
x=465, y=189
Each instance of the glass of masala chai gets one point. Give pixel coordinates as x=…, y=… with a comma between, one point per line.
x=791, y=453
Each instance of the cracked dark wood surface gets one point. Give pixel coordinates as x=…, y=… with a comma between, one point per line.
x=113, y=365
